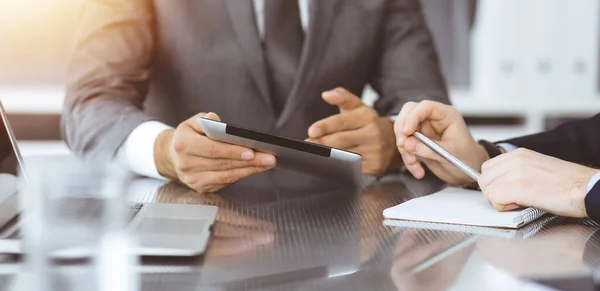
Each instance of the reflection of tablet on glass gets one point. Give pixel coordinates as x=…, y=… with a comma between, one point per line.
x=329, y=163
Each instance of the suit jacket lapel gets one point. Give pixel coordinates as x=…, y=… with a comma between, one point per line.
x=241, y=13
x=322, y=18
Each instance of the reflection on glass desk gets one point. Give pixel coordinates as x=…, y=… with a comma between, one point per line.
x=282, y=231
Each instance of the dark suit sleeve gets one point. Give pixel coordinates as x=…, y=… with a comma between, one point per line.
x=406, y=67
x=108, y=75
x=592, y=203
x=577, y=142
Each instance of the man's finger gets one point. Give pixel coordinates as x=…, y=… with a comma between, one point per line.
x=205, y=164
x=345, y=121
x=503, y=206
x=344, y=140
x=205, y=147
x=413, y=146
x=491, y=174
x=413, y=165
x=408, y=158
x=227, y=216
x=202, y=146
x=425, y=110
x=507, y=207
x=416, y=170
x=232, y=176
x=401, y=120
x=342, y=98
x=235, y=230
x=222, y=247
x=194, y=124
x=501, y=197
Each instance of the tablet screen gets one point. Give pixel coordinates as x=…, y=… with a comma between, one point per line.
x=277, y=140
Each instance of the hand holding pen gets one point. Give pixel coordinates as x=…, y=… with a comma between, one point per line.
x=520, y=178
x=445, y=128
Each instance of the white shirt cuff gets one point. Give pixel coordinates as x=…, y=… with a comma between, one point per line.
x=593, y=182
x=508, y=147
x=137, y=152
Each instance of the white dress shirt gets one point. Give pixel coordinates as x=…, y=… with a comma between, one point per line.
x=137, y=152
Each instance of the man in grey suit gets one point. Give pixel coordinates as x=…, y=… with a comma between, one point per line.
x=142, y=67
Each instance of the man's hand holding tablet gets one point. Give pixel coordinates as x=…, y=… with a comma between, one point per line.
x=203, y=164
x=332, y=164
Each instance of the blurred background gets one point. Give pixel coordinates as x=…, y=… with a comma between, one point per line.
x=513, y=66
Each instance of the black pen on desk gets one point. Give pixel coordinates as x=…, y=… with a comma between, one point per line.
x=447, y=155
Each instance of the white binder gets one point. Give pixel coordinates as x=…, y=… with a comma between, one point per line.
x=579, y=49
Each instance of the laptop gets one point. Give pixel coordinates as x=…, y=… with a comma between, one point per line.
x=159, y=229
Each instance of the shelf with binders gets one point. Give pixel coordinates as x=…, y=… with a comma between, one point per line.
x=502, y=117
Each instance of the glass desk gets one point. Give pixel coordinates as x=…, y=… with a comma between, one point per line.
x=302, y=234
x=283, y=231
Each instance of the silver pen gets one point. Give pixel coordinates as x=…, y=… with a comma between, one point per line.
x=448, y=156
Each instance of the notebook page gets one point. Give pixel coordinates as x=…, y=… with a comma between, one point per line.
x=455, y=206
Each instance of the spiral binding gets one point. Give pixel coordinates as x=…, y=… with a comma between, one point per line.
x=522, y=233
x=535, y=227
x=528, y=215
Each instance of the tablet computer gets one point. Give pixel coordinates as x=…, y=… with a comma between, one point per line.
x=300, y=156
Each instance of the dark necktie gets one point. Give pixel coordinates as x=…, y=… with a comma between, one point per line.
x=282, y=48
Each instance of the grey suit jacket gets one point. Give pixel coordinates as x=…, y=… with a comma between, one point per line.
x=168, y=60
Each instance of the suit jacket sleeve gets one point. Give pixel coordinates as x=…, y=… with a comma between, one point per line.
x=108, y=75
x=577, y=142
x=406, y=67
x=592, y=203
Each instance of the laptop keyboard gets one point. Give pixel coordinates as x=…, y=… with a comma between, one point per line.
x=82, y=211
x=89, y=209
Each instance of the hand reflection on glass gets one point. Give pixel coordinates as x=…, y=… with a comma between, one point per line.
x=372, y=230
x=556, y=252
x=239, y=236
x=379, y=196
x=415, y=246
x=233, y=233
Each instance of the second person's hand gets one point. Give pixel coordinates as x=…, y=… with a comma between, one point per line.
x=524, y=178
x=205, y=165
x=444, y=125
x=357, y=128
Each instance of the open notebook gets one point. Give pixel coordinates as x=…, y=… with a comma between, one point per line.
x=460, y=206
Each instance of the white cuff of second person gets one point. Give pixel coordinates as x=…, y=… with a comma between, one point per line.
x=593, y=182
x=508, y=147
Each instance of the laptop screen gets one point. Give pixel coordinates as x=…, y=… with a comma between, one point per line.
x=10, y=168
x=9, y=163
